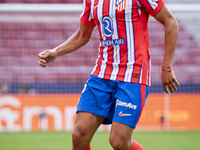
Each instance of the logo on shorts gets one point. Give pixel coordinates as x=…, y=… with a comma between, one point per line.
x=124, y=104
x=84, y=88
x=121, y=114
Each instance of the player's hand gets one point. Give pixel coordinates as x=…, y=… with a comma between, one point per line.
x=169, y=81
x=46, y=56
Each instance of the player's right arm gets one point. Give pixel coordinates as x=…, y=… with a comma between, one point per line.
x=77, y=40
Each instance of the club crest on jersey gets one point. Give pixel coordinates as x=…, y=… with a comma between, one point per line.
x=120, y=5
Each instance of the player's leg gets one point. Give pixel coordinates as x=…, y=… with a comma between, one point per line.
x=120, y=138
x=95, y=106
x=130, y=100
x=85, y=126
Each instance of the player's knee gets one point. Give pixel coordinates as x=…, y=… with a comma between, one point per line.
x=118, y=143
x=76, y=137
x=79, y=135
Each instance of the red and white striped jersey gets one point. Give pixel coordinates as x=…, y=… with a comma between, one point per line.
x=124, y=42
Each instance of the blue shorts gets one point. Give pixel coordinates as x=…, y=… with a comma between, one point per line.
x=118, y=101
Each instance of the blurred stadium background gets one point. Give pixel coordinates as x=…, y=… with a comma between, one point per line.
x=44, y=99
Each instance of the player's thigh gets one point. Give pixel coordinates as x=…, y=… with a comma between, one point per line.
x=87, y=123
x=120, y=133
x=97, y=98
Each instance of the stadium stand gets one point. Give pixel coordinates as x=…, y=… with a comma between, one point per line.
x=20, y=42
x=80, y=1
x=41, y=1
x=182, y=1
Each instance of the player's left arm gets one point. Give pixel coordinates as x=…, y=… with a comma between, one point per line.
x=168, y=78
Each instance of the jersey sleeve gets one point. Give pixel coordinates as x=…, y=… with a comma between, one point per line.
x=86, y=16
x=152, y=6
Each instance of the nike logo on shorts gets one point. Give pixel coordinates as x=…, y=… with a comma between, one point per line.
x=121, y=114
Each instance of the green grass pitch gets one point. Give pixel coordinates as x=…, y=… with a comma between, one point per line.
x=189, y=140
